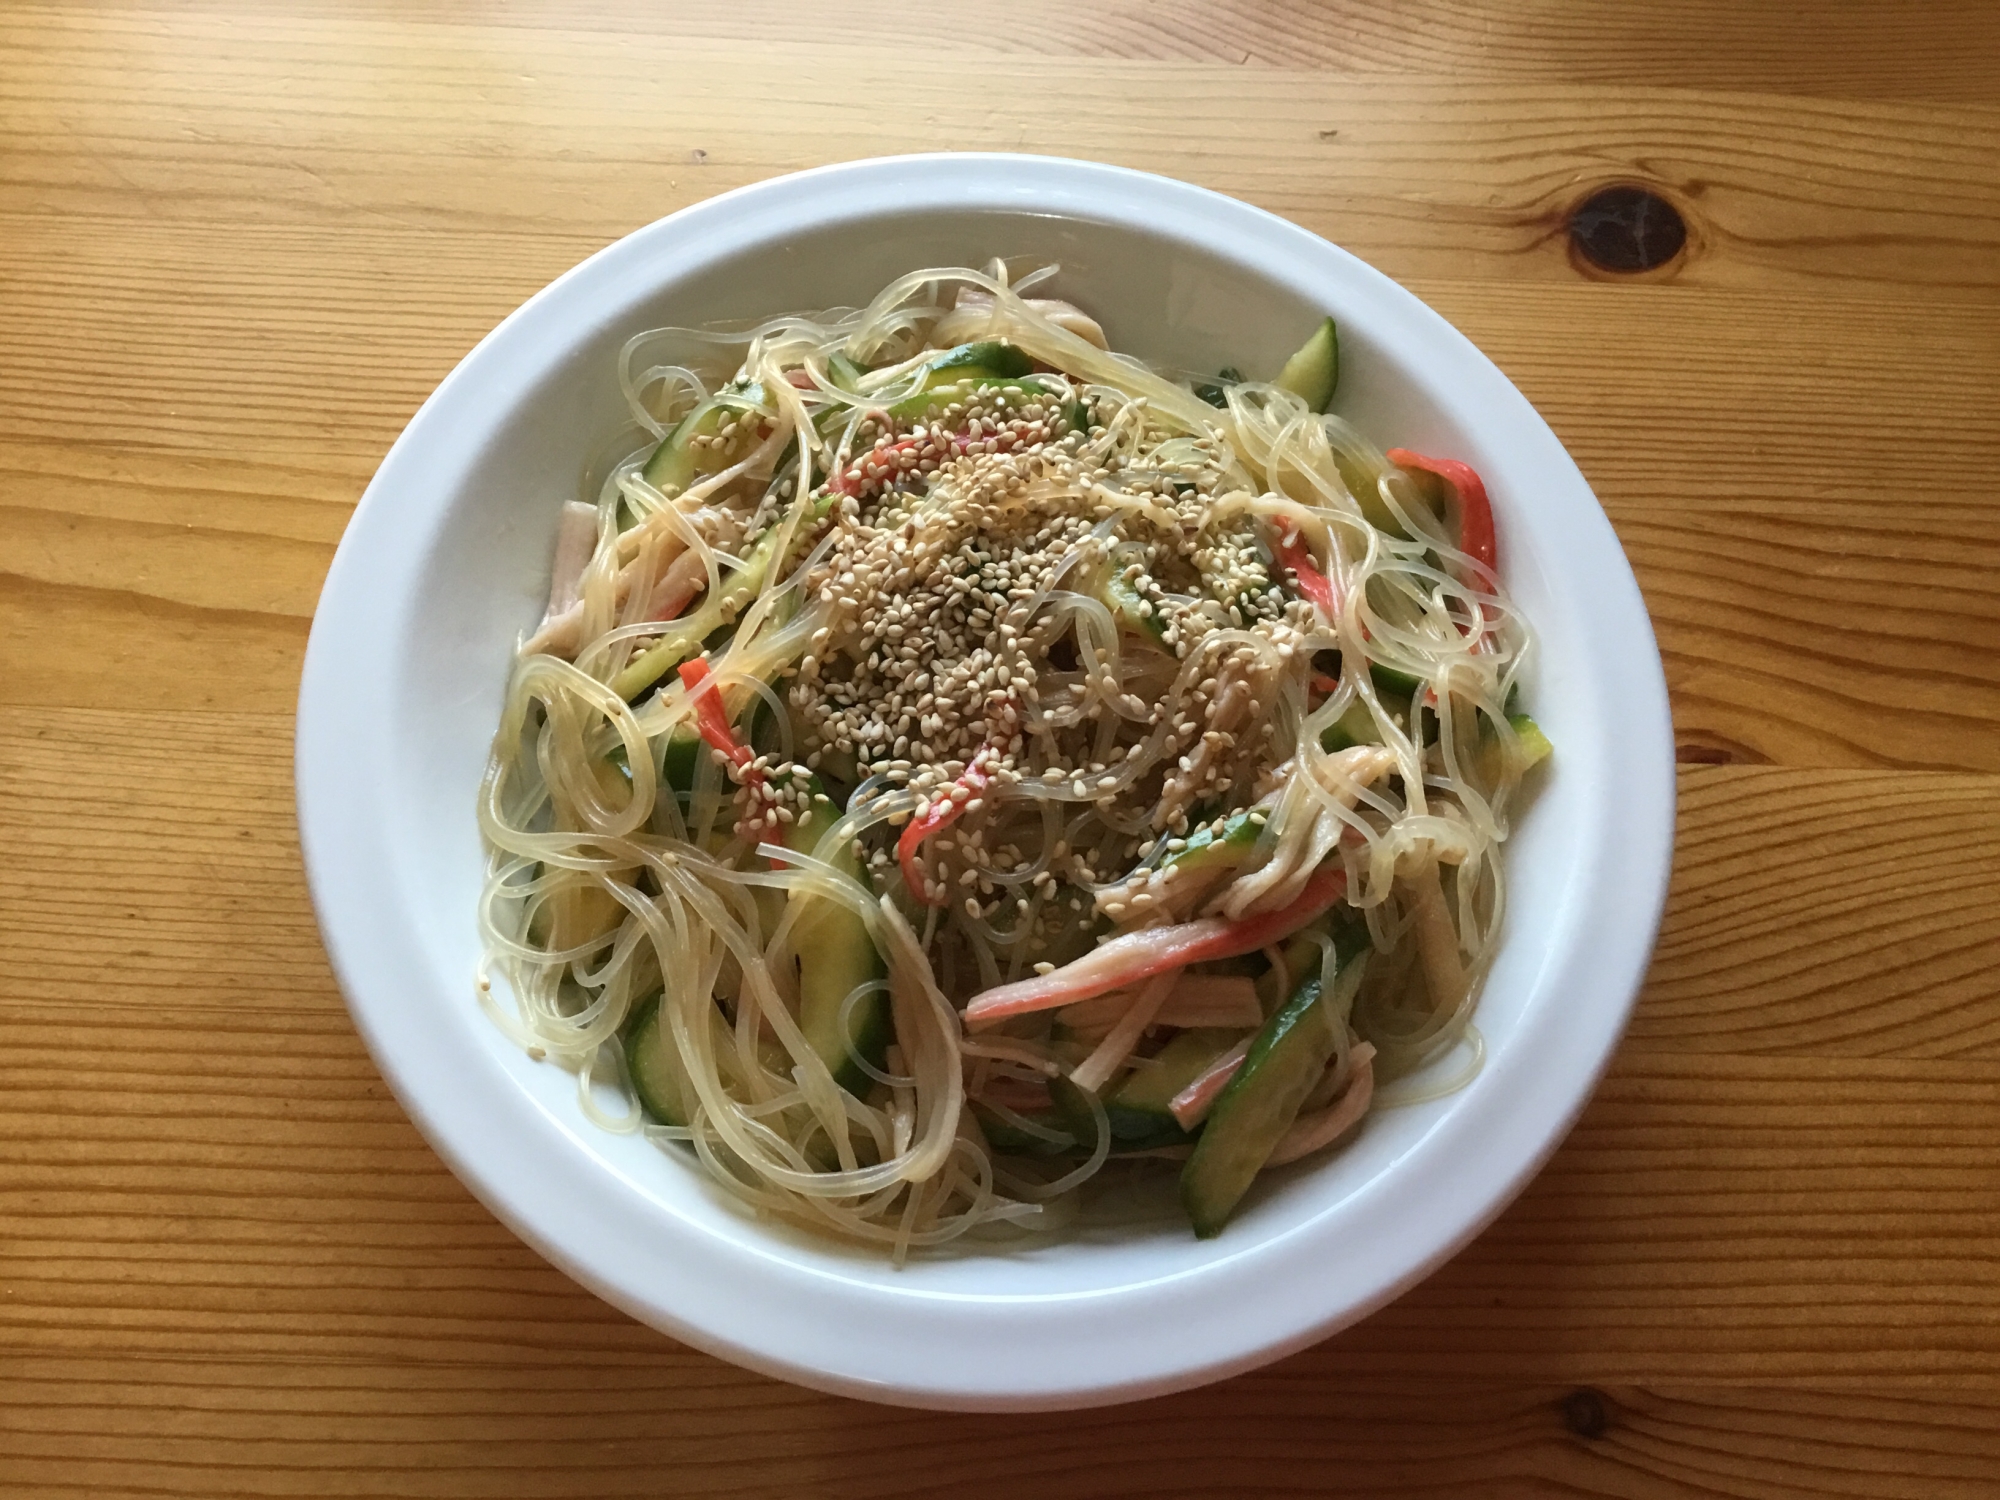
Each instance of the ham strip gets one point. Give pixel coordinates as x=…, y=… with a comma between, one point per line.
x=1212, y=1000
x=1125, y=961
x=1094, y=1071
x=576, y=539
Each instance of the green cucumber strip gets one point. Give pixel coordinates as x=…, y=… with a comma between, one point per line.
x=1130, y=1130
x=986, y=358
x=676, y=463
x=684, y=636
x=844, y=372
x=659, y=1078
x=1010, y=1140
x=944, y=393
x=1217, y=394
x=1535, y=747
x=836, y=956
x=1313, y=372
x=1396, y=683
x=1258, y=1107
x=1210, y=847
x=1144, y=1096
x=1131, y=609
x=683, y=745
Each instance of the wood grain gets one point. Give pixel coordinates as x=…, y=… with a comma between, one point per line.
x=243, y=244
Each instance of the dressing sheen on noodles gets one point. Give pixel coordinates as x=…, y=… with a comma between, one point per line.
x=956, y=755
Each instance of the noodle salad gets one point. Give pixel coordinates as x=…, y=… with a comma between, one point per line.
x=957, y=756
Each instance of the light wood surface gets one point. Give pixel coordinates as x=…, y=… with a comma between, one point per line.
x=240, y=243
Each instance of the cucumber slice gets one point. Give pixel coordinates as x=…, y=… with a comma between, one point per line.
x=844, y=372
x=1535, y=747
x=1393, y=682
x=836, y=956
x=943, y=393
x=1261, y=1101
x=683, y=745
x=1132, y=610
x=1001, y=361
x=1210, y=848
x=1355, y=727
x=1314, y=371
x=1139, y=1105
x=1010, y=1140
x=677, y=462
x=687, y=633
x=1215, y=394
x=659, y=1077
x=1130, y=1130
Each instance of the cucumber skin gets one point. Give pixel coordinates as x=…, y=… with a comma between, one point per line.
x=642, y=1033
x=989, y=357
x=944, y=392
x=672, y=463
x=1007, y=1140
x=1534, y=743
x=1228, y=845
x=688, y=633
x=1257, y=1107
x=1131, y=1130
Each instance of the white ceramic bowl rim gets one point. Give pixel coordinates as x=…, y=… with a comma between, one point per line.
x=754, y=1301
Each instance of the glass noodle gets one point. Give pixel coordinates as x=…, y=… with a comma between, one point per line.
x=619, y=872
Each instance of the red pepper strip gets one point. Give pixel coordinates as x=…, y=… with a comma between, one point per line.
x=846, y=485
x=1475, y=512
x=942, y=813
x=1315, y=585
x=711, y=722
x=1124, y=961
x=849, y=480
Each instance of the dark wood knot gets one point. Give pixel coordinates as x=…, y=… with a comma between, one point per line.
x=1585, y=1413
x=1627, y=228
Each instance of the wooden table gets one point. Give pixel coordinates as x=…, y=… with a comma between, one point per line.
x=239, y=248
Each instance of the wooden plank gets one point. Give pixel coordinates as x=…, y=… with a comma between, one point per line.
x=1817, y=48
x=531, y=1428
x=1823, y=47
x=501, y=130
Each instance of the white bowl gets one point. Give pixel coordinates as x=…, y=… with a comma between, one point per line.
x=447, y=559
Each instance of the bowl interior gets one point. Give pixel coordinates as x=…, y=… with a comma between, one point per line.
x=449, y=560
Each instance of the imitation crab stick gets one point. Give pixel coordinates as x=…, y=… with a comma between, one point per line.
x=1315, y=585
x=1137, y=956
x=709, y=719
x=1476, y=538
x=942, y=813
